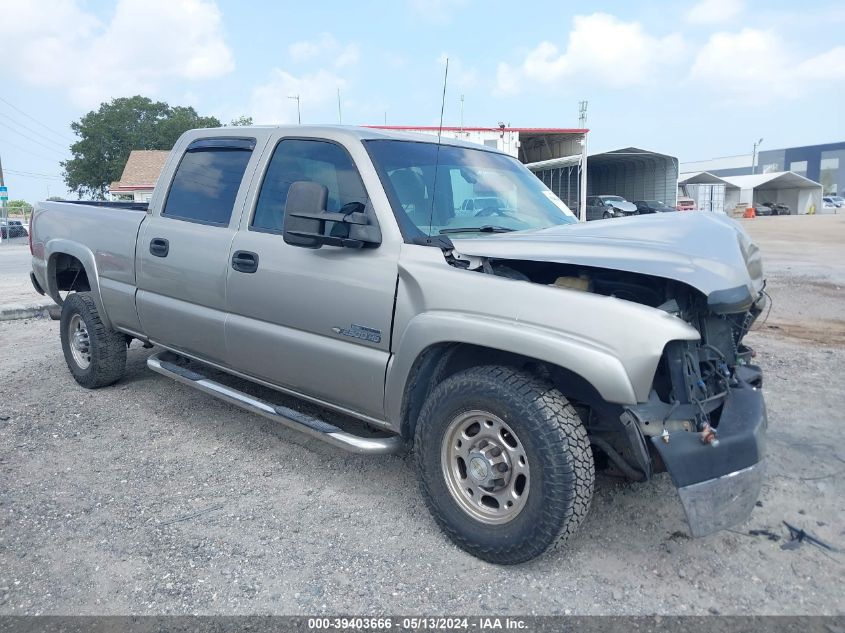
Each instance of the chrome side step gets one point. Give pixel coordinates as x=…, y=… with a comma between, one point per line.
x=163, y=364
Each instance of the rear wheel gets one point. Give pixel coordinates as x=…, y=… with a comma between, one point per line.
x=95, y=355
x=504, y=463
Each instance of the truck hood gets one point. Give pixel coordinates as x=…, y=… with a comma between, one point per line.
x=707, y=251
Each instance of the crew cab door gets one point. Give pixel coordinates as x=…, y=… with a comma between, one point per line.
x=183, y=251
x=313, y=321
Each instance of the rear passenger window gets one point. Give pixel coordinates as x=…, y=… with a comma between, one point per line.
x=317, y=161
x=207, y=180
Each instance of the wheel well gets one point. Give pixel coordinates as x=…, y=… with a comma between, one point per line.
x=69, y=273
x=439, y=361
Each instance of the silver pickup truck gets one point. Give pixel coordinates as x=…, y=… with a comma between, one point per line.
x=514, y=348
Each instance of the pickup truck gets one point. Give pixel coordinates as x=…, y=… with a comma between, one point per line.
x=515, y=350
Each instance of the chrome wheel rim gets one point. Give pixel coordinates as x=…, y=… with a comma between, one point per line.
x=80, y=343
x=485, y=467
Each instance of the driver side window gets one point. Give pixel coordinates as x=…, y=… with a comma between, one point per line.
x=317, y=161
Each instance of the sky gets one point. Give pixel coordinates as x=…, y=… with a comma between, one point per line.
x=694, y=79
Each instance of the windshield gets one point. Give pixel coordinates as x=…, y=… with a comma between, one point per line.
x=655, y=204
x=613, y=199
x=471, y=192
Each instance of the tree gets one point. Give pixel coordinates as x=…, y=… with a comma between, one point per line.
x=241, y=121
x=19, y=207
x=107, y=135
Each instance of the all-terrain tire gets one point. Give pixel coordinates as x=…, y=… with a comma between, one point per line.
x=555, y=444
x=106, y=348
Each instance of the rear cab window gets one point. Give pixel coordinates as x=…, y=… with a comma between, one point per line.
x=207, y=180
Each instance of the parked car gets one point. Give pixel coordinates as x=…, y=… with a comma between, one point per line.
x=605, y=207
x=685, y=204
x=828, y=203
x=12, y=228
x=652, y=206
x=761, y=209
x=478, y=205
x=778, y=208
x=836, y=201
x=505, y=349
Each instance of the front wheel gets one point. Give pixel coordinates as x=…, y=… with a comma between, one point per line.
x=95, y=355
x=504, y=463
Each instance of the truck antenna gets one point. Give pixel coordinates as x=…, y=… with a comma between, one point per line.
x=437, y=155
x=443, y=101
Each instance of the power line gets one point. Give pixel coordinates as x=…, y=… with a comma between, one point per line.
x=28, y=151
x=30, y=174
x=36, y=132
x=32, y=140
x=31, y=118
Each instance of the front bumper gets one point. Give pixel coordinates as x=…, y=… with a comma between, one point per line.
x=719, y=485
x=722, y=502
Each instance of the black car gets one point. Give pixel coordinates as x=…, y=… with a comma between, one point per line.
x=652, y=206
x=778, y=208
x=12, y=228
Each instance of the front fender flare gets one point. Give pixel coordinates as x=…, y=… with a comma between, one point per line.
x=598, y=366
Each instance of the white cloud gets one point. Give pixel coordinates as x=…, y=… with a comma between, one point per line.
x=145, y=44
x=326, y=47
x=601, y=49
x=714, y=11
x=757, y=64
x=271, y=103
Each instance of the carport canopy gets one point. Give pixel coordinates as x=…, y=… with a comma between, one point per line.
x=635, y=174
x=797, y=191
x=704, y=178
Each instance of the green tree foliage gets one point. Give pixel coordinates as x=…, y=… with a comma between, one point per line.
x=19, y=207
x=107, y=135
x=241, y=121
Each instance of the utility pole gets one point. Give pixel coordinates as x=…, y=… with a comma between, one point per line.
x=339, y=116
x=298, y=114
x=582, y=189
x=385, y=118
x=3, y=196
x=462, y=113
x=754, y=156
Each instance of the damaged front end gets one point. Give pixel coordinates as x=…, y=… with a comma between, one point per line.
x=706, y=419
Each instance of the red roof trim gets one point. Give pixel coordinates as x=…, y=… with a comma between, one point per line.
x=434, y=128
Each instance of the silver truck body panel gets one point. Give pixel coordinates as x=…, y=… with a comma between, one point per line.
x=102, y=239
x=614, y=344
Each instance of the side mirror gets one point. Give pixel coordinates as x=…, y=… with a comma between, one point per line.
x=306, y=217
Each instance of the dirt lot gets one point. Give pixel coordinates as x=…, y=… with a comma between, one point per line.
x=147, y=497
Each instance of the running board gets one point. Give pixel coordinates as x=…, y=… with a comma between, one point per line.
x=303, y=422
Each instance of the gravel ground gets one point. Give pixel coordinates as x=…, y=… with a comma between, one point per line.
x=150, y=498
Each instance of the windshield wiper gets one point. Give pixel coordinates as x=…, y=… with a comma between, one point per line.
x=487, y=228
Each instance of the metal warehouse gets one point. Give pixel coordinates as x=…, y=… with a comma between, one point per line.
x=630, y=172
